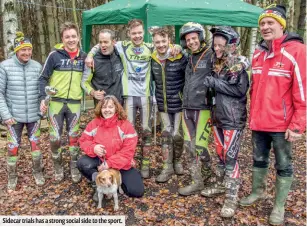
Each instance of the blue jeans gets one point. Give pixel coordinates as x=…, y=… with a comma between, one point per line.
x=262, y=143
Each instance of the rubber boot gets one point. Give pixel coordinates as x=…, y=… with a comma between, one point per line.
x=282, y=188
x=146, y=148
x=12, y=172
x=258, y=187
x=168, y=170
x=37, y=160
x=74, y=171
x=178, y=149
x=57, y=164
x=232, y=186
x=218, y=186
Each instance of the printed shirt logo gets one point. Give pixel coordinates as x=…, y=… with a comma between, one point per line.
x=138, y=69
x=279, y=65
x=138, y=50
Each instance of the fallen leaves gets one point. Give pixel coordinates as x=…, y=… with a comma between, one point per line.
x=161, y=204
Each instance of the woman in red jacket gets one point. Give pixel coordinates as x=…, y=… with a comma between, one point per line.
x=109, y=141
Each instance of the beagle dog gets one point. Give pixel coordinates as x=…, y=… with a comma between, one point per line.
x=108, y=181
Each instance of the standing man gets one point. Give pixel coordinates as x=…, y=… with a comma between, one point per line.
x=278, y=106
x=196, y=105
x=168, y=74
x=137, y=84
x=63, y=70
x=107, y=71
x=19, y=106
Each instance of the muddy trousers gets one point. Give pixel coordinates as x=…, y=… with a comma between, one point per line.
x=144, y=106
x=196, y=129
x=14, y=133
x=59, y=112
x=172, y=145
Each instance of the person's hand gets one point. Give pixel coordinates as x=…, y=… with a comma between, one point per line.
x=103, y=166
x=292, y=136
x=99, y=95
x=43, y=108
x=209, y=81
x=89, y=61
x=176, y=50
x=99, y=150
x=10, y=121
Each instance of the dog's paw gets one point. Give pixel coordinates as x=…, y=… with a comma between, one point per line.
x=116, y=208
x=99, y=206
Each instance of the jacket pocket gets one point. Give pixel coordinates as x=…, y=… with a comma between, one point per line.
x=284, y=109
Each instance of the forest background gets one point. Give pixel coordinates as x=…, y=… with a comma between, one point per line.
x=41, y=19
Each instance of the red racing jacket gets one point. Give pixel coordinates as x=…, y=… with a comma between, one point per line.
x=117, y=136
x=278, y=89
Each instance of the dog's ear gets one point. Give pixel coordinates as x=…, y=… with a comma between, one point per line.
x=99, y=180
x=114, y=181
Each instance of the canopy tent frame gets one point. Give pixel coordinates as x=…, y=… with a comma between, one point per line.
x=165, y=12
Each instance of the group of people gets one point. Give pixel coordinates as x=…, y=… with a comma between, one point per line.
x=198, y=87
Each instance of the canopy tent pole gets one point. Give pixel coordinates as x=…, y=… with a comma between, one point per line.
x=177, y=34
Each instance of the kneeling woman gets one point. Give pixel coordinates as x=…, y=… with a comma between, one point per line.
x=109, y=141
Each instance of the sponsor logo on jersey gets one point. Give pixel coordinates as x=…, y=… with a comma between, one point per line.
x=138, y=50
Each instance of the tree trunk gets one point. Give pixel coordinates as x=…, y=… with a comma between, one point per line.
x=290, y=16
x=56, y=24
x=296, y=16
x=302, y=25
x=9, y=26
x=253, y=36
x=41, y=32
x=50, y=24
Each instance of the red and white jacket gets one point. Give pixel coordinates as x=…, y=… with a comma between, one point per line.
x=278, y=89
x=117, y=136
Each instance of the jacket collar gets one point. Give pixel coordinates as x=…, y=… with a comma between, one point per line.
x=19, y=62
x=171, y=58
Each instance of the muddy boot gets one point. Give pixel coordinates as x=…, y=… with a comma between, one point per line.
x=12, y=172
x=178, y=149
x=37, y=160
x=232, y=186
x=57, y=165
x=146, y=148
x=75, y=174
x=197, y=183
x=204, y=156
x=282, y=188
x=197, y=180
x=167, y=152
x=218, y=186
x=258, y=187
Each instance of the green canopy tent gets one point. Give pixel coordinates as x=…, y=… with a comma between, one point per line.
x=170, y=12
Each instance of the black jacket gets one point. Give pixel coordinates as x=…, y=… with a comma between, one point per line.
x=107, y=75
x=195, y=92
x=231, y=88
x=169, y=82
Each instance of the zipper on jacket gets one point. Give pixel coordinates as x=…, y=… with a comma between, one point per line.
x=72, y=66
x=164, y=87
x=285, y=109
x=25, y=86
